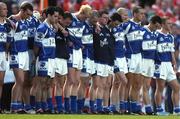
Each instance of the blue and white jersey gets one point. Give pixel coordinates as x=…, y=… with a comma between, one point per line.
x=134, y=37
x=149, y=44
x=165, y=46
x=76, y=32
x=45, y=40
x=87, y=41
x=5, y=36
x=119, y=36
x=20, y=41
x=33, y=24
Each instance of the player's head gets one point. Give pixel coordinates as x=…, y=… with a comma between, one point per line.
x=166, y=24
x=155, y=22
x=85, y=12
x=94, y=17
x=103, y=17
x=61, y=14
x=67, y=19
x=52, y=14
x=138, y=13
x=124, y=13
x=116, y=19
x=3, y=9
x=26, y=9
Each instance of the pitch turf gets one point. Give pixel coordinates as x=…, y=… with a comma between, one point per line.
x=14, y=116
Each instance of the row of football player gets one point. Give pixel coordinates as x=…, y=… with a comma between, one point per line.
x=82, y=46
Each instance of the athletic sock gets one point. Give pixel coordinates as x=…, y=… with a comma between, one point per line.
x=66, y=105
x=148, y=109
x=92, y=108
x=99, y=105
x=50, y=104
x=59, y=103
x=122, y=105
x=159, y=108
x=74, y=104
x=32, y=101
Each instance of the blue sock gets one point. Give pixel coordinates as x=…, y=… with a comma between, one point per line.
x=106, y=109
x=129, y=106
x=14, y=106
x=66, y=104
x=32, y=101
x=79, y=105
x=177, y=109
x=122, y=105
x=59, y=103
x=159, y=109
x=83, y=101
x=99, y=104
x=92, y=108
x=20, y=105
x=44, y=106
x=50, y=104
x=113, y=108
x=73, y=104
x=138, y=108
x=126, y=105
x=38, y=105
x=133, y=107
x=148, y=109
x=27, y=107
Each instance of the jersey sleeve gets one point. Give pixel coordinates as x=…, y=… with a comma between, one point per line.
x=40, y=35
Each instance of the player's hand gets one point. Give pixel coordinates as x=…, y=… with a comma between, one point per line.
x=70, y=44
x=97, y=29
x=65, y=33
x=175, y=68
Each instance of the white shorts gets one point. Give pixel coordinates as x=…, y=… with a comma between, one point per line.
x=120, y=65
x=135, y=63
x=102, y=70
x=165, y=71
x=61, y=66
x=76, y=59
x=21, y=61
x=46, y=68
x=148, y=68
x=3, y=62
x=88, y=66
x=111, y=70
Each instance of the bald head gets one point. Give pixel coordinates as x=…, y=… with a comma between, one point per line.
x=3, y=9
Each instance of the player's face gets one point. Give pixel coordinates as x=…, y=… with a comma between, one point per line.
x=67, y=22
x=3, y=10
x=157, y=26
x=60, y=18
x=168, y=25
x=104, y=19
x=140, y=15
x=93, y=20
x=54, y=18
x=124, y=15
x=27, y=13
x=84, y=16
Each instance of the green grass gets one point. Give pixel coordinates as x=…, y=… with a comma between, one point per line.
x=14, y=116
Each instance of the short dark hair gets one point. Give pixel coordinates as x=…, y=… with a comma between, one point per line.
x=156, y=19
x=50, y=10
x=60, y=10
x=102, y=12
x=67, y=15
x=136, y=9
x=116, y=17
x=26, y=6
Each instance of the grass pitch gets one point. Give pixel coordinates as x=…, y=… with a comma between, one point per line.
x=15, y=116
